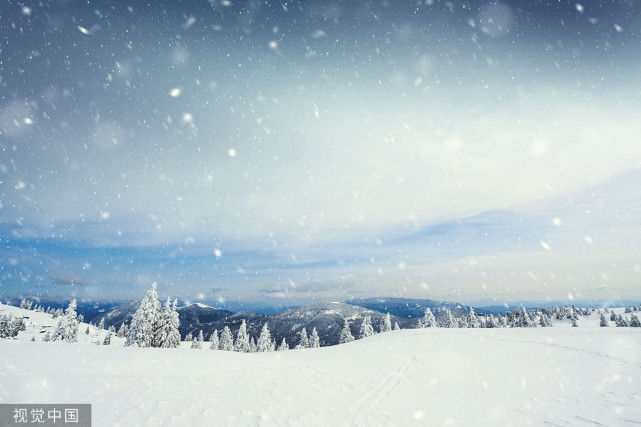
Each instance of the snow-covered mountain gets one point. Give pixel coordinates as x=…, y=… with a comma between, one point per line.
x=406, y=307
x=586, y=375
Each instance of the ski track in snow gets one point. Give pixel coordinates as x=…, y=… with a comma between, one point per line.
x=384, y=388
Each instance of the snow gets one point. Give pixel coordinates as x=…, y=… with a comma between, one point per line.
x=530, y=376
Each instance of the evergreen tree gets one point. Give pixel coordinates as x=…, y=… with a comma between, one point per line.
x=429, y=321
x=122, y=331
x=87, y=331
x=472, y=319
x=396, y=327
x=213, y=339
x=226, y=340
x=314, y=340
x=386, y=323
x=167, y=333
x=603, y=323
x=81, y=318
x=366, y=329
x=112, y=329
x=265, y=342
x=101, y=325
x=47, y=337
x=490, y=322
x=346, y=334
x=107, y=340
x=67, y=329
x=195, y=341
x=523, y=319
x=450, y=321
x=283, y=345
x=252, y=345
x=242, y=339
x=574, y=322
x=303, y=342
x=634, y=321
x=142, y=330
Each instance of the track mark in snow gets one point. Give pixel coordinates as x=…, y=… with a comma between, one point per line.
x=587, y=420
x=596, y=353
x=384, y=388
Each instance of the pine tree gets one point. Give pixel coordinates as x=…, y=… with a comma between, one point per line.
x=524, y=320
x=603, y=323
x=283, y=345
x=142, y=330
x=472, y=319
x=574, y=322
x=265, y=342
x=242, y=339
x=253, y=348
x=450, y=321
x=366, y=329
x=189, y=337
x=396, y=327
x=112, y=329
x=346, y=334
x=213, y=339
x=429, y=321
x=67, y=329
x=107, y=340
x=167, y=333
x=490, y=322
x=87, y=331
x=47, y=337
x=122, y=331
x=303, y=342
x=386, y=323
x=634, y=321
x=101, y=325
x=314, y=340
x=195, y=341
x=226, y=340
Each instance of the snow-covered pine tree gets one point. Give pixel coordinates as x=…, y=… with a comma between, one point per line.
x=314, y=339
x=107, y=340
x=226, y=340
x=634, y=321
x=122, y=331
x=67, y=329
x=346, y=334
x=265, y=342
x=47, y=337
x=472, y=319
x=366, y=329
x=386, y=323
x=490, y=322
x=303, y=341
x=574, y=322
x=87, y=331
x=603, y=322
x=242, y=339
x=429, y=321
x=283, y=346
x=524, y=320
x=213, y=339
x=252, y=345
x=396, y=327
x=195, y=342
x=167, y=333
x=101, y=325
x=450, y=321
x=142, y=330
x=23, y=303
x=112, y=329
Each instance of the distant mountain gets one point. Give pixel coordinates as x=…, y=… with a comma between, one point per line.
x=194, y=317
x=90, y=309
x=326, y=318
x=408, y=308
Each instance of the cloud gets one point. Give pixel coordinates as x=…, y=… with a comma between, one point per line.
x=61, y=277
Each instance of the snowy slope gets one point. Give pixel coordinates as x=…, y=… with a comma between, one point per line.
x=560, y=375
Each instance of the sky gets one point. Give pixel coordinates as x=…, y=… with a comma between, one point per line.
x=291, y=152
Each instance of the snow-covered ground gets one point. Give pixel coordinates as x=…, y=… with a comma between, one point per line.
x=558, y=376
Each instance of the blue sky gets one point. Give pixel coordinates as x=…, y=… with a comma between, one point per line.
x=309, y=151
